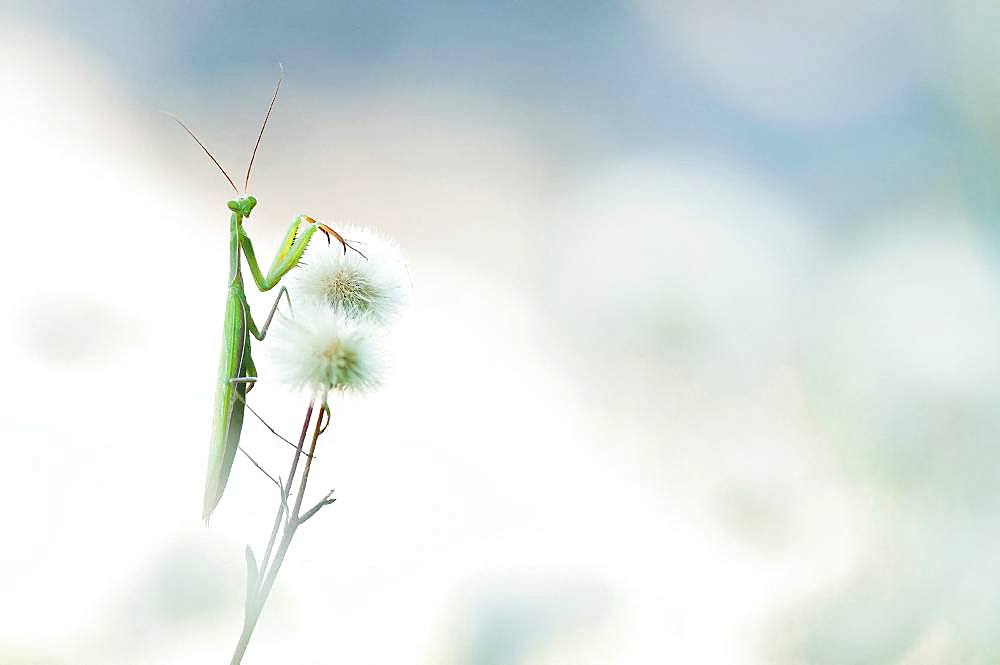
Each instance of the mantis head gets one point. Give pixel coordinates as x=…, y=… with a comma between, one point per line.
x=243, y=205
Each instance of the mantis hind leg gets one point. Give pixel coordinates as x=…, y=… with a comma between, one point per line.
x=250, y=380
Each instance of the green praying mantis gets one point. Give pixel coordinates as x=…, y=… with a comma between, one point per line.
x=237, y=372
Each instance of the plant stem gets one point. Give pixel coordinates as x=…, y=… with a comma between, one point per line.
x=270, y=573
x=287, y=488
x=305, y=472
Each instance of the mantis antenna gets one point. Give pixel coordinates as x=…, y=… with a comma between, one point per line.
x=274, y=97
x=210, y=156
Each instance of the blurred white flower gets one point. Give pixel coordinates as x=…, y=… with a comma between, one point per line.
x=367, y=282
x=322, y=349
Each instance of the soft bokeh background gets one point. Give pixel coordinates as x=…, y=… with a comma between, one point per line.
x=704, y=363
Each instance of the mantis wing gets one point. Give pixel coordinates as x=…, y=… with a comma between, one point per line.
x=227, y=421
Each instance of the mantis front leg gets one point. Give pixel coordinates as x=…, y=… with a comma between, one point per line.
x=289, y=253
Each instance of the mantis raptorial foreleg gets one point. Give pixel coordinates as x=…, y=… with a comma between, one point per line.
x=288, y=254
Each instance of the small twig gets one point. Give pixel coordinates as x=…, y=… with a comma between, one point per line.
x=284, y=497
x=325, y=501
x=261, y=469
x=326, y=410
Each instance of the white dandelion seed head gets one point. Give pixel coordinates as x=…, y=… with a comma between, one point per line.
x=375, y=286
x=322, y=349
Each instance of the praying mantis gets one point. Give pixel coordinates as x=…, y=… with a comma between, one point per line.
x=237, y=372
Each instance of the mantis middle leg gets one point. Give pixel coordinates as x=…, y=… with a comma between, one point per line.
x=262, y=331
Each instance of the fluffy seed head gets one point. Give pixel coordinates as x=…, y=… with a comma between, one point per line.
x=322, y=349
x=373, y=287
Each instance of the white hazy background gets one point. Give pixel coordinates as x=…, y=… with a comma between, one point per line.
x=703, y=364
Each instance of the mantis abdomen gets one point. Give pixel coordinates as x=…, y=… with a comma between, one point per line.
x=227, y=423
